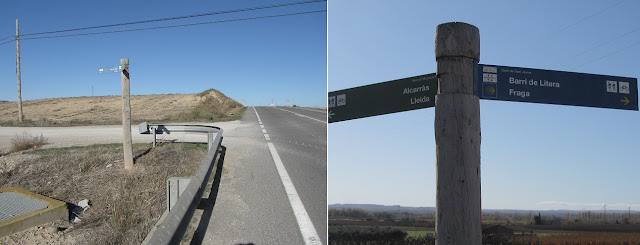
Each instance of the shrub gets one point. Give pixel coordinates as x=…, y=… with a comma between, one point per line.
x=27, y=141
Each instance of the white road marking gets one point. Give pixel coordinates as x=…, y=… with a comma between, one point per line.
x=261, y=126
x=297, y=114
x=264, y=131
x=266, y=136
x=308, y=231
x=259, y=120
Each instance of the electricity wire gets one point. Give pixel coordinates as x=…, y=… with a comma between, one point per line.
x=170, y=26
x=6, y=42
x=607, y=55
x=174, y=26
x=600, y=45
x=584, y=19
x=177, y=17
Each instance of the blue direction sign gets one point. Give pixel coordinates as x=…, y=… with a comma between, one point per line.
x=555, y=87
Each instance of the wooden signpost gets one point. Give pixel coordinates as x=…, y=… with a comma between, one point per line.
x=126, y=115
x=127, y=147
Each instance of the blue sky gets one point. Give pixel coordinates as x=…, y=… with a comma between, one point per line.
x=258, y=61
x=534, y=156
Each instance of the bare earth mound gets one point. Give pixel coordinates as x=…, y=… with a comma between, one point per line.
x=210, y=105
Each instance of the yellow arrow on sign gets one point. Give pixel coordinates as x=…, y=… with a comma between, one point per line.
x=625, y=100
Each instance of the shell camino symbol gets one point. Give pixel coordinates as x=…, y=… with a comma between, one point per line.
x=490, y=90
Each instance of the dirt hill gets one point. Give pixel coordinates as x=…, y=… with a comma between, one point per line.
x=210, y=105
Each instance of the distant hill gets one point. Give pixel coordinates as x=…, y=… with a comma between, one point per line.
x=210, y=105
x=418, y=210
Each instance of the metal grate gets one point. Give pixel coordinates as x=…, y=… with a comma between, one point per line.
x=13, y=205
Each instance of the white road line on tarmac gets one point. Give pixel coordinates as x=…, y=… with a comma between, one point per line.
x=260, y=121
x=297, y=114
x=309, y=233
x=264, y=131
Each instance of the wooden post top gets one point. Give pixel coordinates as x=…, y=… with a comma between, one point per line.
x=457, y=39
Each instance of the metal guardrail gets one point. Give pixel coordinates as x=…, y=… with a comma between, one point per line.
x=154, y=129
x=175, y=224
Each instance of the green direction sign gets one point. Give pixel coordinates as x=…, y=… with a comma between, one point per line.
x=383, y=98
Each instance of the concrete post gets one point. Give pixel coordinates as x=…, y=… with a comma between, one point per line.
x=126, y=115
x=457, y=132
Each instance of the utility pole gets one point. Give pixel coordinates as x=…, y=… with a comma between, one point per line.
x=126, y=115
x=20, y=115
x=457, y=132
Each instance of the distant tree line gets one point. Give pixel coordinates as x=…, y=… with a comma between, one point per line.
x=506, y=218
x=365, y=233
x=398, y=219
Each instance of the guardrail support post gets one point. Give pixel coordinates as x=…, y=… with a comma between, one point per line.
x=154, y=136
x=457, y=132
x=209, y=141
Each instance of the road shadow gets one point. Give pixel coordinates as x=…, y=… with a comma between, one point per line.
x=207, y=204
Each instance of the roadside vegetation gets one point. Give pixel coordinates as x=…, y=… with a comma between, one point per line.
x=214, y=106
x=26, y=141
x=125, y=205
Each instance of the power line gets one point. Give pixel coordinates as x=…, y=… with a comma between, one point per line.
x=612, y=53
x=607, y=42
x=178, y=17
x=583, y=19
x=171, y=26
x=6, y=42
x=600, y=45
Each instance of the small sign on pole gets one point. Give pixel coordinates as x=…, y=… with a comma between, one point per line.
x=115, y=69
x=405, y=94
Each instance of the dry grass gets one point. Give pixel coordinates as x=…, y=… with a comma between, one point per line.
x=27, y=141
x=125, y=204
x=214, y=106
x=210, y=105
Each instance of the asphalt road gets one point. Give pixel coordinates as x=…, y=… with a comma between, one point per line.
x=253, y=204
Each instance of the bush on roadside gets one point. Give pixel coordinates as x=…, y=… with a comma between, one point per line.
x=27, y=141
